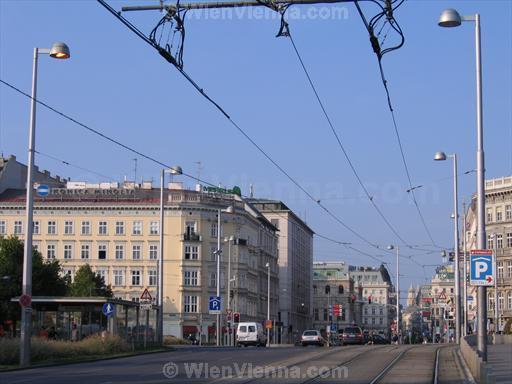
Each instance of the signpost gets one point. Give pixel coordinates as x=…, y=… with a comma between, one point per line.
x=146, y=301
x=43, y=190
x=481, y=268
x=215, y=305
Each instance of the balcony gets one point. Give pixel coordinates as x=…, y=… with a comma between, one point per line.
x=191, y=237
x=242, y=242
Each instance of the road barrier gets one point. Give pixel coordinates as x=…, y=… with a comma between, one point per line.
x=481, y=371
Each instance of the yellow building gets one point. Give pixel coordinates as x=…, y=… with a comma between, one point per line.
x=115, y=229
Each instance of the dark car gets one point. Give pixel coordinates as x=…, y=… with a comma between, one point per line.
x=353, y=335
x=378, y=339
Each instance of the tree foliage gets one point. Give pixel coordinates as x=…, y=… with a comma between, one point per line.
x=47, y=278
x=88, y=283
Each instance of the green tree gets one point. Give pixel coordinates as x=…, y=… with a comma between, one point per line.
x=88, y=283
x=47, y=277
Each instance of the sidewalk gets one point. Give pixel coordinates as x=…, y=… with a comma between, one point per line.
x=500, y=358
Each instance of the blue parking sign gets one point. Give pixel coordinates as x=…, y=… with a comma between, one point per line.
x=481, y=268
x=215, y=304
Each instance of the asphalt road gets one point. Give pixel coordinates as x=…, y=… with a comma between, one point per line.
x=347, y=364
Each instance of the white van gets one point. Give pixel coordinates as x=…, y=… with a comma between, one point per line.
x=250, y=334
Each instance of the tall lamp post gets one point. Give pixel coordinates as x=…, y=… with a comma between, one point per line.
x=268, y=303
x=229, y=240
x=218, y=253
x=465, y=272
x=451, y=18
x=173, y=171
x=57, y=51
x=441, y=156
x=390, y=247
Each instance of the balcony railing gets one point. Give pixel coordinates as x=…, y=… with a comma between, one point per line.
x=191, y=237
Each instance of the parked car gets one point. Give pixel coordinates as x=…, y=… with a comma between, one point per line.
x=312, y=337
x=250, y=334
x=353, y=335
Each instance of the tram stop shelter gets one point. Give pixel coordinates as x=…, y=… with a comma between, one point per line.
x=74, y=318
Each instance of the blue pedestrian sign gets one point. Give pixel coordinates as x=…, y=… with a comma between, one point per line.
x=481, y=268
x=215, y=304
x=108, y=309
x=43, y=190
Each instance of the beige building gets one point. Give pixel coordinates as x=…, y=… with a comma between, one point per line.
x=295, y=249
x=115, y=229
x=498, y=225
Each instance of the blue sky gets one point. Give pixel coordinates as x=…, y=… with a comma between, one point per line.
x=117, y=84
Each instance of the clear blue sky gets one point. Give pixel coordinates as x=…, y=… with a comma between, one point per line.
x=117, y=84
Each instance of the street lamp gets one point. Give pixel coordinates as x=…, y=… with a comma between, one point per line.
x=451, y=18
x=173, y=171
x=218, y=253
x=390, y=247
x=268, y=303
x=229, y=240
x=57, y=51
x=441, y=156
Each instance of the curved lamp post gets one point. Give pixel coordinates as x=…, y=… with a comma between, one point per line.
x=57, y=51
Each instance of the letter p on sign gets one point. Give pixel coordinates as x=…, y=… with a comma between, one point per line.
x=480, y=268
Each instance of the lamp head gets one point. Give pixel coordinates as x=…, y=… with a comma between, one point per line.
x=60, y=51
x=440, y=156
x=267, y=265
x=449, y=18
x=176, y=170
x=390, y=247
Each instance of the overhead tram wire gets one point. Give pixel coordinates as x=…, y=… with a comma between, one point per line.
x=166, y=55
x=377, y=49
x=150, y=158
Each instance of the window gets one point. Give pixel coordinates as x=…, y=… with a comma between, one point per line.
x=152, y=278
x=340, y=289
x=18, y=227
x=50, y=251
x=490, y=242
x=499, y=241
x=191, y=252
x=190, y=228
x=509, y=268
x=119, y=227
x=68, y=227
x=35, y=246
x=365, y=310
x=102, y=252
x=103, y=274
x=137, y=228
x=373, y=320
x=190, y=278
x=119, y=252
x=500, y=270
x=190, y=304
x=85, y=228
x=118, y=277
x=489, y=215
x=154, y=228
x=213, y=230
x=35, y=228
x=85, y=251
x=136, y=251
x=373, y=310
x=509, y=240
x=381, y=311
x=314, y=289
x=499, y=214
x=315, y=314
x=135, y=277
x=52, y=227
x=102, y=228
x=509, y=299
x=213, y=279
x=508, y=212
x=213, y=253
x=381, y=320
x=326, y=314
x=68, y=251
x=153, y=252
x=2, y=227
x=501, y=301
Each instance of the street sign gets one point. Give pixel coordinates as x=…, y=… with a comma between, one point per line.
x=268, y=324
x=146, y=296
x=146, y=306
x=481, y=268
x=25, y=300
x=43, y=190
x=442, y=297
x=108, y=309
x=337, y=308
x=215, y=305
x=334, y=328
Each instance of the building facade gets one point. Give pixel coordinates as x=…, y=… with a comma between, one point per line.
x=377, y=296
x=115, y=230
x=498, y=226
x=295, y=251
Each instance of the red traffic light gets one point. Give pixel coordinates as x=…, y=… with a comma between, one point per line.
x=236, y=317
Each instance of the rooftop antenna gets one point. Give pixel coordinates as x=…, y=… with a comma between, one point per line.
x=199, y=169
x=135, y=172
x=251, y=190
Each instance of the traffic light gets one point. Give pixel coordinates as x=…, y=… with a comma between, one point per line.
x=236, y=317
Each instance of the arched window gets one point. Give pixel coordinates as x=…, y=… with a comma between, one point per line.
x=340, y=289
x=327, y=289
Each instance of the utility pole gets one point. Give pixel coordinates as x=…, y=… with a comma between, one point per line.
x=465, y=271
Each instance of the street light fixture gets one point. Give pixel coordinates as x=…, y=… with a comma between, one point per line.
x=229, y=240
x=176, y=170
x=218, y=253
x=391, y=247
x=451, y=18
x=57, y=51
x=441, y=156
